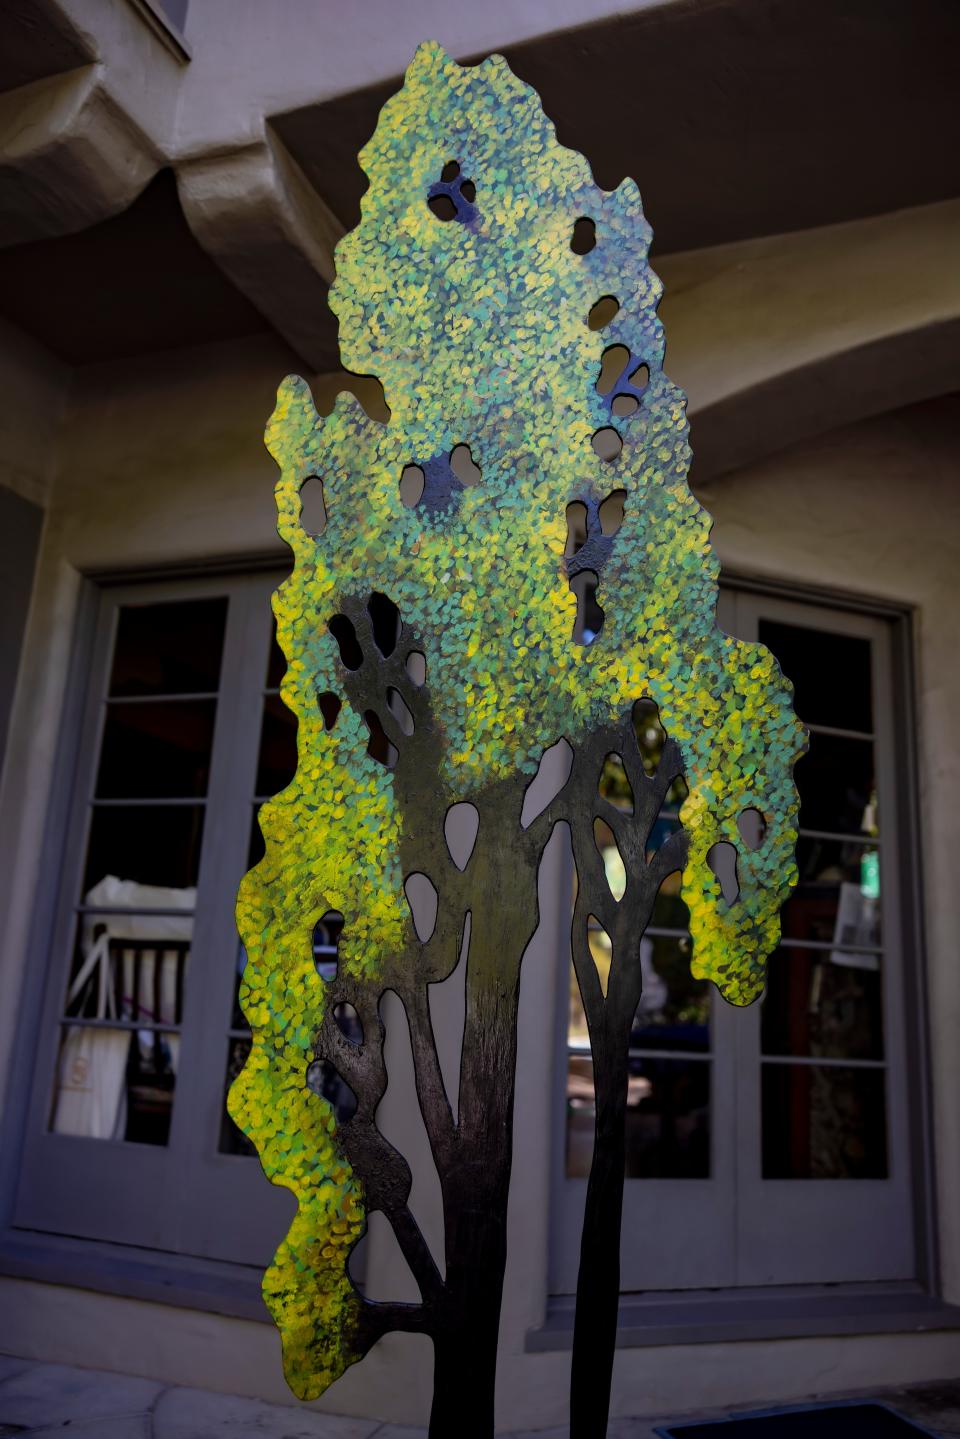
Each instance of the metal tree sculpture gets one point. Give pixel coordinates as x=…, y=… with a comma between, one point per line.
x=436, y=636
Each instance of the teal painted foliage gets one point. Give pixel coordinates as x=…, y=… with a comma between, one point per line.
x=463, y=295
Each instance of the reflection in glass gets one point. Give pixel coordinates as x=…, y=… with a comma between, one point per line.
x=169, y=648
x=115, y=1083
x=668, y=1118
x=152, y=844
x=823, y=1122
x=837, y=786
x=156, y=749
x=837, y=899
x=117, y=1067
x=830, y=674
x=674, y=1009
x=823, y=1004
x=276, y=665
x=277, y=760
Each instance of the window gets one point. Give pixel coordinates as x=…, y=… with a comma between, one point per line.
x=184, y=735
x=771, y=1144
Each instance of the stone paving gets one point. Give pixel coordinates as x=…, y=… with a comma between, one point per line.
x=47, y=1400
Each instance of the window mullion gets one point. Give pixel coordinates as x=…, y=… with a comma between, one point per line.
x=224, y=858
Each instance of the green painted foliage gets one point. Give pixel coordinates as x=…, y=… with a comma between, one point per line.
x=479, y=334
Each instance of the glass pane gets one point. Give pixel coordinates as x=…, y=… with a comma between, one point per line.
x=830, y=674
x=169, y=648
x=277, y=762
x=115, y=1083
x=669, y=910
x=823, y=1122
x=668, y=1118
x=837, y=787
x=837, y=899
x=151, y=844
x=130, y=967
x=156, y=750
x=257, y=847
x=674, y=1009
x=277, y=664
x=237, y=1019
x=823, y=1004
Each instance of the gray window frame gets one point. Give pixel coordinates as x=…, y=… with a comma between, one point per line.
x=669, y=1313
x=215, y=1260
x=655, y=1318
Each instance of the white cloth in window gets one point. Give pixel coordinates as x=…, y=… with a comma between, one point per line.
x=91, y=1090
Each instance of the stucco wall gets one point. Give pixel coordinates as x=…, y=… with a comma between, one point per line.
x=161, y=462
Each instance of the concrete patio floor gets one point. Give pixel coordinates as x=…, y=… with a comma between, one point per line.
x=46, y=1400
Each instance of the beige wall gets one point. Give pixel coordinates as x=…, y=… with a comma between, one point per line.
x=161, y=461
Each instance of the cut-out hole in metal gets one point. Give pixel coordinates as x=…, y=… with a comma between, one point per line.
x=326, y=944
x=351, y=655
x=576, y=528
x=752, y=827
x=460, y=828
x=614, y=784
x=613, y=865
x=722, y=859
x=552, y=774
x=584, y=236
x=601, y=951
x=412, y=480
x=621, y=381
x=443, y=207
x=605, y=310
x=380, y=748
x=423, y=899
x=416, y=667
x=590, y=615
x=613, y=361
x=313, y=511
x=400, y=710
x=329, y=706
x=463, y=465
x=453, y=196
x=323, y=1079
x=625, y=402
x=385, y=620
x=348, y=1022
x=651, y=735
x=611, y=512
x=607, y=443
x=447, y=1000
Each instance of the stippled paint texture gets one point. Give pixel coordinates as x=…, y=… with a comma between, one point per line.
x=478, y=326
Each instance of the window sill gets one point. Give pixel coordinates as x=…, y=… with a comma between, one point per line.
x=728, y=1316
x=180, y=1280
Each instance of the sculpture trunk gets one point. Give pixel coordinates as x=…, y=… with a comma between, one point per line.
x=477, y=1183
x=598, y=1280
x=465, y=1341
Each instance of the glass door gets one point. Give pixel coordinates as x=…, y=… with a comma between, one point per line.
x=125, y=1140
x=824, y=1189
x=770, y=1145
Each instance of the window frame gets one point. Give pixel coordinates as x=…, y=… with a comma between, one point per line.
x=712, y=1312
x=233, y=1289
x=118, y=1262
